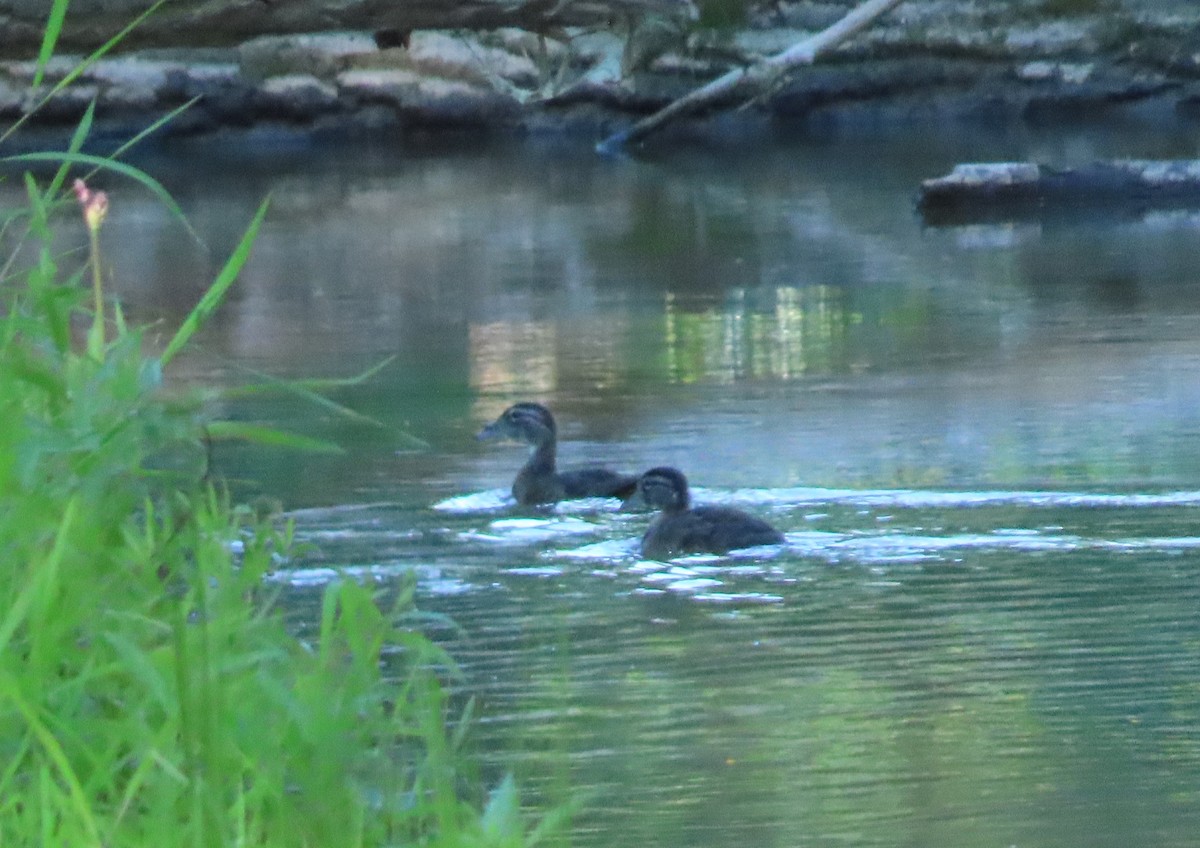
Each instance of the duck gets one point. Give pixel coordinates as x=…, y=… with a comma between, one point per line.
x=681, y=528
x=539, y=481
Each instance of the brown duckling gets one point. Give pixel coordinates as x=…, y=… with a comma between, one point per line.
x=682, y=529
x=539, y=481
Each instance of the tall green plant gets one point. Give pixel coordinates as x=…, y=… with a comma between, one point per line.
x=150, y=693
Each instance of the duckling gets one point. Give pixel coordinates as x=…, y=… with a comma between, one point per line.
x=683, y=529
x=538, y=481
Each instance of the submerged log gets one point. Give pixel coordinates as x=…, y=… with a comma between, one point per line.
x=984, y=191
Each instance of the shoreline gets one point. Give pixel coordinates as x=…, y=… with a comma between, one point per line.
x=933, y=64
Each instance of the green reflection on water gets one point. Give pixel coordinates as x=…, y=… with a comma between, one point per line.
x=804, y=332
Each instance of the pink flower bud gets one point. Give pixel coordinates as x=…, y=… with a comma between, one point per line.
x=94, y=203
x=95, y=210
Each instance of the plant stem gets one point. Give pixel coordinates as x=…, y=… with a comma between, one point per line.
x=95, y=342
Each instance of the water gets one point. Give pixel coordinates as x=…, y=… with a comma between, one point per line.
x=980, y=442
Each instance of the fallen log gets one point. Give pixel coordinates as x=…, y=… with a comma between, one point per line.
x=197, y=23
x=741, y=84
x=991, y=190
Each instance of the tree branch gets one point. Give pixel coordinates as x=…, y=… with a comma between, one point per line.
x=757, y=77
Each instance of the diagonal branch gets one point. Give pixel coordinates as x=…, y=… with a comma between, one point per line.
x=753, y=79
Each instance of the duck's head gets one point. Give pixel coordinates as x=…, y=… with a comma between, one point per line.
x=664, y=488
x=525, y=422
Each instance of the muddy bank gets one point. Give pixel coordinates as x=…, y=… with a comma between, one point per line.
x=1048, y=61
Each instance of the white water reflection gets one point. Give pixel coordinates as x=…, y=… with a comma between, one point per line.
x=494, y=500
x=823, y=526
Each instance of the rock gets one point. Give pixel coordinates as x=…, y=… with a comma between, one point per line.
x=66, y=106
x=321, y=55
x=464, y=56
x=131, y=82
x=428, y=99
x=1024, y=60
x=296, y=97
x=11, y=99
x=225, y=98
x=1068, y=72
x=1053, y=37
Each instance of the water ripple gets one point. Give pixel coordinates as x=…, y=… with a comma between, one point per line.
x=848, y=533
x=918, y=499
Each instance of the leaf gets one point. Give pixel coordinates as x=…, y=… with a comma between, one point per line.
x=58, y=14
x=327, y=382
x=307, y=390
x=138, y=662
x=103, y=163
x=77, y=139
x=262, y=435
x=78, y=70
x=501, y=820
x=47, y=569
x=216, y=292
x=165, y=119
x=37, y=372
x=57, y=755
x=556, y=822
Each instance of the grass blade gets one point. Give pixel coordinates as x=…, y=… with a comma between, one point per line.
x=318, y=384
x=62, y=764
x=75, y=72
x=216, y=292
x=77, y=139
x=47, y=571
x=58, y=14
x=106, y=164
x=308, y=391
x=261, y=435
x=165, y=119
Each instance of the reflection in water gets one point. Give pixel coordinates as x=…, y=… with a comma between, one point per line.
x=980, y=443
x=515, y=357
x=783, y=333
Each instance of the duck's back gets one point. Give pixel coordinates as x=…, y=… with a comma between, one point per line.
x=597, y=483
x=539, y=486
x=706, y=529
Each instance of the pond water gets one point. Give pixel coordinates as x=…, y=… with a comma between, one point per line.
x=982, y=443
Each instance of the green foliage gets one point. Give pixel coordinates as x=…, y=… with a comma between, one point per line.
x=150, y=693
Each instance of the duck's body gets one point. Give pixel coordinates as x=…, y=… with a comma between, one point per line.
x=539, y=481
x=682, y=529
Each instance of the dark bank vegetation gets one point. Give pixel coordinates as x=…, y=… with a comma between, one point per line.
x=150, y=693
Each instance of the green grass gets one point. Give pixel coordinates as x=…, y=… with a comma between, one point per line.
x=150, y=692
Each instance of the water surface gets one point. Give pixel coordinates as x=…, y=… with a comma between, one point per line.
x=980, y=442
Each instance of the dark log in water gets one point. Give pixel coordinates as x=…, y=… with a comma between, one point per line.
x=985, y=191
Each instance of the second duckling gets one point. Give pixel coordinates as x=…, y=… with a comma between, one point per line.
x=684, y=529
x=539, y=481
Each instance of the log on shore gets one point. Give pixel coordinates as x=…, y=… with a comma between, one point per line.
x=90, y=23
x=985, y=191
x=743, y=83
